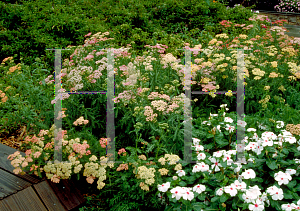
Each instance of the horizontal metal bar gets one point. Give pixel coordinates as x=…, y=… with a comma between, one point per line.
x=218, y=92
x=92, y=92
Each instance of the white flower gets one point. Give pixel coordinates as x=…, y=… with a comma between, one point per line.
x=258, y=149
x=199, y=188
x=220, y=191
x=201, y=156
x=180, y=173
x=198, y=147
x=196, y=141
x=287, y=207
x=203, y=167
x=257, y=206
x=164, y=187
x=177, y=192
x=282, y=178
x=253, y=192
x=290, y=171
x=251, y=129
x=241, y=123
x=231, y=190
x=278, y=194
x=161, y=198
x=216, y=164
x=239, y=185
x=228, y=119
x=218, y=154
x=271, y=190
x=188, y=195
x=230, y=128
x=249, y=174
x=280, y=124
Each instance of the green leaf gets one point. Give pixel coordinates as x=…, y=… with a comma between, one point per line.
x=285, y=151
x=288, y=195
x=298, y=187
x=223, y=198
x=272, y=164
x=214, y=199
x=182, y=183
x=291, y=184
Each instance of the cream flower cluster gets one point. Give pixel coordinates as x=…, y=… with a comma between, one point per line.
x=163, y=171
x=171, y=158
x=222, y=36
x=80, y=121
x=271, y=50
x=159, y=105
x=259, y=72
x=59, y=170
x=167, y=59
x=294, y=69
x=148, y=175
x=290, y=50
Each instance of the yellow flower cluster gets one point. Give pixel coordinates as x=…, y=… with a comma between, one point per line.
x=294, y=70
x=222, y=36
x=243, y=36
x=220, y=57
x=282, y=88
x=290, y=50
x=212, y=42
x=257, y=71
x=264, y=101
x=274, y=63
x=163, y=171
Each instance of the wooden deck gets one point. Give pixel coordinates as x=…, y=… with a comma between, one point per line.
x=29, y=192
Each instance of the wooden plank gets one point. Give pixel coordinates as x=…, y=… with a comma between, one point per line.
x=5, y=164
x=10, y=184
x=48, y=196
x=23, y=200
x=67, y=193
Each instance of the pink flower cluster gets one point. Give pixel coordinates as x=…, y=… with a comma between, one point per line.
x=81, y=148
x=103, y=142
x=80, y=121
x=122, y=151
x=122, y=167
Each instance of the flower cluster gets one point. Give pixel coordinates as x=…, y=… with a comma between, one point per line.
x=80, y=121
